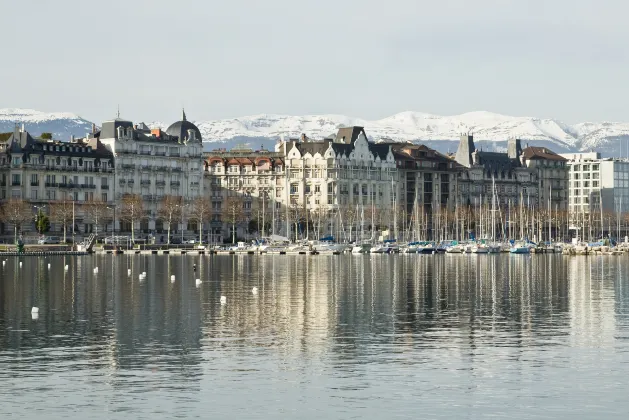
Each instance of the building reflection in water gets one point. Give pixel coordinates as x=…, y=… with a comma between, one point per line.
x=329, y=311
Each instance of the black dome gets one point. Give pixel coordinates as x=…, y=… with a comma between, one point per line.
x=180, y=129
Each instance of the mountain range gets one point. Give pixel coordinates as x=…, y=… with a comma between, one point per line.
x=490, y=130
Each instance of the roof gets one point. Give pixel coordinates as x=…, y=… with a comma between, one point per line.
x=313, y=147
x=533, y=152
x=180, y=129
x=495, y=161
x=349, y=135
x=379, y=150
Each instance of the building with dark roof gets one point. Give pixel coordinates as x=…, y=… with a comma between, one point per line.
x=552, y=174
x=428, y=185
x=155, y=164
x=44, y=172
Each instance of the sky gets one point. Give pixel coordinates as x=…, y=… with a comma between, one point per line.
x=564, y=59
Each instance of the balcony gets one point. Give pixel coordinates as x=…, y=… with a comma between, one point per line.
x=51, y=184
x=104, y=187
x=16, y=183
x=194, y=184
x=176, y=169
x=128, y=167
x=130, y=182
x=122, y=181
x=148, y=197
x=89, y=186
x=160, y=183
x=145, y=182
x=145, y=168
x=34, y=183
x=63, y=185
x=174, y=183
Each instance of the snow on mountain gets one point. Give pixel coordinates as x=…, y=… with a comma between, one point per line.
x=486, y=127
x=61, y=124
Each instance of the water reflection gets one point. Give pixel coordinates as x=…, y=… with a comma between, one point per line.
x=340, y=329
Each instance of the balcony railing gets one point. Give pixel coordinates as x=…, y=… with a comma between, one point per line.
x=160, y=183
x=34, y=183
x=174, y=183
x=16, y=183
x=145, y=182
x=51, y=184
x=104, y=187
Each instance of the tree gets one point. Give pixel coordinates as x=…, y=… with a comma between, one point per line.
x=46, y=136
x=42, y=223
x=132, y=208
x=16, y=212
x=62, y=212
x=200, y=212
x=168, y=210
x=297, y=215
x=349, y=214
x=97, y=211
x=233, y=214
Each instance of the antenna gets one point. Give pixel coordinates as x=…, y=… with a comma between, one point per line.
x=118, y=113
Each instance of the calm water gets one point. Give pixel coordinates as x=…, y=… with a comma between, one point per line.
x=447, y=336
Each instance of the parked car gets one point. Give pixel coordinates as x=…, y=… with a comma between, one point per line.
x=46, y=240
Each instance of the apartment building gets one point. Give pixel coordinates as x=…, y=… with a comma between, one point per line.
x=153, y=164
x=44, y=171
x=552, y=174
x=596, y=182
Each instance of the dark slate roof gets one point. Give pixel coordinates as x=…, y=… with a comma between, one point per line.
x=379, y=150
x=342, y=148
x=533, y=152
x=313, y=147
x=109, y=129
x=180, y=129
x=494, y=161
x=348, y=135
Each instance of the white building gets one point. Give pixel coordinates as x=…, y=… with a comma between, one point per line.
x=153, y=163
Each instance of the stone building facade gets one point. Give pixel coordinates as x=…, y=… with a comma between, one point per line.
x=153, y=164
x=43, y=172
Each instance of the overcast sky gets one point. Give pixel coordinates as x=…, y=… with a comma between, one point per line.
x=565, y=59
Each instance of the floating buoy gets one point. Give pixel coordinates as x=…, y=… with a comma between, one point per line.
x=66, y=268
x=194, y=267
x=198, y=282
x=35, y=310
x=129, y=272
x=254, y=290
x=20, y=264
x=49, y=266
x=4, y=262
x=172, y=278
x=34, y=315
x=223, y=300
x=96, y=269
x=144, y=273
x=141, y=277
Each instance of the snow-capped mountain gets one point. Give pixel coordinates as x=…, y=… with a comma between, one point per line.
x=61, y=124
x=489, y=129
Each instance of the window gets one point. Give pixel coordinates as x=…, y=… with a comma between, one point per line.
x=33, y=194
x=294, y=188
x=51, y=195
x=307, y=189
x=317, y=188
x=16, y=179
x=103, y=197
x=595, y=167
x=330, y=188
x=586, y=168
x=595, y=184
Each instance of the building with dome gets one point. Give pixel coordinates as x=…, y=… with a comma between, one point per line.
x=154, y=164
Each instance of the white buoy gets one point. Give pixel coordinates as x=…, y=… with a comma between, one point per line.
x=144, y=273
x=96, y=269
x=141, y=277
x=4, y=262
x=35, y=310
x=49, y=266
x=34, y=315
x=254, y=290
x=172, y=278
x=223, y=300
x=20, y=264
x=129, y=272
x=66, y=268
x=198, y=282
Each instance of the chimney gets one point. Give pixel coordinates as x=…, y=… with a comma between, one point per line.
x=93, y=128
x=22, y=129
x=514, y=148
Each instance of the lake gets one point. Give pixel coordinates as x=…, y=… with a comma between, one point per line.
x=322, y=337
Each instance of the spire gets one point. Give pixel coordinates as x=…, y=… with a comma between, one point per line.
x=184, y=114
x=118, y=113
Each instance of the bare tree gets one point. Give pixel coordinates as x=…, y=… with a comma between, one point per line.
x=350, y=216
x=200, y=212
x=297, y=214
x=98, y=212
x=62, y=212
x=168, y=210
x=233, y=213
x=319, y=216
x=16, y=212
x=132, y=210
